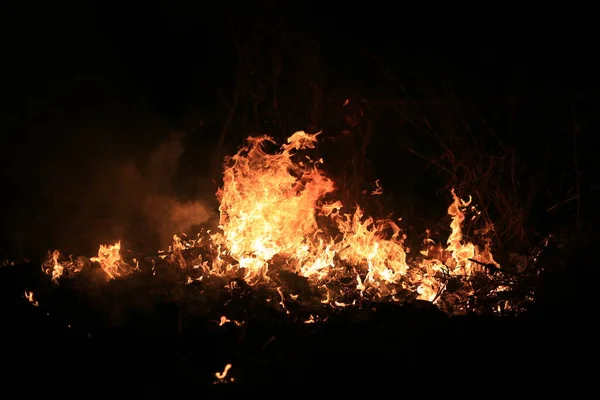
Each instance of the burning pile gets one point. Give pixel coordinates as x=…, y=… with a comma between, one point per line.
x=280, y=221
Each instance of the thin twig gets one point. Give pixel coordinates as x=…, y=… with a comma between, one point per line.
x=576, y=165
x=244, y=69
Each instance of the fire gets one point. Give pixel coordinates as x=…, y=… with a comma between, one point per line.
x=225, y=320
x=222, y=376
x=29, y=297
x=268, y=205
x=56, y=268
x=278, y=211
x=109, y=258
x=280, y=205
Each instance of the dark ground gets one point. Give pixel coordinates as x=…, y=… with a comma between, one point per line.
x=67, y=344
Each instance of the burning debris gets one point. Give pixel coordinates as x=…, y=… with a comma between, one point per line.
x=283, y=232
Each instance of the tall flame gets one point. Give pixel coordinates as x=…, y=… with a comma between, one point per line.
x=268, y=203
x=275, y=204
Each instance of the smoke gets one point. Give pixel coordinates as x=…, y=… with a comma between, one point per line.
x=86, y=161
x=166, y=214
x=153, y=210
x=97, y=189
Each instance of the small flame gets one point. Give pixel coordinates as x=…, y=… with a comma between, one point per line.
x=109, y=258
x=29, y=297
x=222, y=376
x=56, y=266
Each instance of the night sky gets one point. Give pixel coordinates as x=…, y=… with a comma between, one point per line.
x=91, y=90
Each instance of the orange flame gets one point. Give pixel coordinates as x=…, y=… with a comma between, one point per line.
x=276, y=210
x=109, y=258
x=270, y=205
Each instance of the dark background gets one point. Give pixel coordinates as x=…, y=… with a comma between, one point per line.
x=115, y=118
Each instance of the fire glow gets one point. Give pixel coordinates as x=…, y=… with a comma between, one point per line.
x=278, y=212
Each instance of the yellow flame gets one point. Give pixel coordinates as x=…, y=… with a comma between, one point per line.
x=278, y=208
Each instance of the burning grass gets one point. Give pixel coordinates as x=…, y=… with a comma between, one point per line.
x=284, y=238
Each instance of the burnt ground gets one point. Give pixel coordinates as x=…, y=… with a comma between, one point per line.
x=87, y=340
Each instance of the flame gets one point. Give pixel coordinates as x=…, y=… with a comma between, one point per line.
x=109, y=258
x=223, y=320
x=222, y=376
x=268, y=204
x=277, y=210
x=29, y=297
x=56, y=267
x=280, y=205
